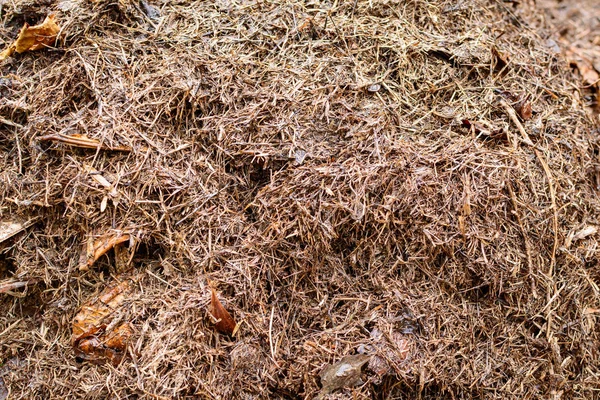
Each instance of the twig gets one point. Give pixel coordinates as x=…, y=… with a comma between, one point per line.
x=82, y=142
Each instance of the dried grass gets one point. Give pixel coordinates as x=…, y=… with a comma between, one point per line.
x=309, y=160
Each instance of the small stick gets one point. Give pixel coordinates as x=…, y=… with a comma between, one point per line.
x=513, y=116
x=81, y=141
x=8, y=286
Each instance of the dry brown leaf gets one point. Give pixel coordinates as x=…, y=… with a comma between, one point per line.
x=90, y=338
x=523, y=109
x=485, y=130
x=521, y=104
x=7, y=286
x=10, y=228
x=34, y=37
x=97, y=248
x=500, y=60
x=225, y=322
x=585, y=67
x=99, y=178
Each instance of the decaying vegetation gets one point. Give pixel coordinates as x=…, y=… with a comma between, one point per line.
x=299, y=199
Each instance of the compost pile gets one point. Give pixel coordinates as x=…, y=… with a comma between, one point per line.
x=298, y=199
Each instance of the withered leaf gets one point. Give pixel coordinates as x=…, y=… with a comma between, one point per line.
x=8, y=285
x=585, y=67
x=225, y=322
x=345, y=373
x=9, y=229
x=521, y=105
x=33, y=37
x=523, y=109
x=500, y=59
x=90, y=339
x=95, y=249
x=389, y=350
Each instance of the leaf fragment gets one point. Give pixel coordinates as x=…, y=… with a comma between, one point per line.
x=9, y=229
x=485, y=130
x=501, y=60
x=524, y=110
x=95, y=249
x=33, y=38
x=345, y=373
x=584, y=65
x=99, y=178
x=225, y=322
x=95, y=337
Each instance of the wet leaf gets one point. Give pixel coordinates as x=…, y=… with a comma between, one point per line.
x=225, y=322
x=34, y=37
x=345, y=373
x=94, y=338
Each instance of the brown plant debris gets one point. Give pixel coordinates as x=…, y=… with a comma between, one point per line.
x=82, y=141
x=33, y=38
x=311, y=157
x=344, y=373
x=484, y=129
x=9, y=228
x=581, y=234
x=224, y=322
x=586, y=69
x=97, y=335
x=99, y=246
x=7, y=286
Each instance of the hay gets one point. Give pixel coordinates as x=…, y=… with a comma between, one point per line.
x=309, y=160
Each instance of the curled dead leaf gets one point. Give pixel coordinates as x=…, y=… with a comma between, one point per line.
x=97, y=248
x=9, y=229
x=500, y=60
x=573, y=236
x=523, y=109
x=225, y=322
x=34, y=37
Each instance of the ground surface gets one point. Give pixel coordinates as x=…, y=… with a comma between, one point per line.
x=351, y=178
